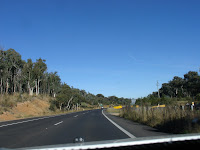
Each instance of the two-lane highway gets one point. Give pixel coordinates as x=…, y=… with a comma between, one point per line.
x=92, y=125
x=62, y=129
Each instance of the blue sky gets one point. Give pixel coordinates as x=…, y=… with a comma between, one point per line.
x=113, y=47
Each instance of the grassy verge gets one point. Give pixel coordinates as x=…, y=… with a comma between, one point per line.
x=114, y=111
x=169, y=119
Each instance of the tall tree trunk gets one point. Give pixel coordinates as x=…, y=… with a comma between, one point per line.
x=20, y=87
x=49, y=90
x=14, y=89
x=54, y=93
x=176, y=91
x=36, y=88
x=77, y=106
x=29, y=88
x=60, y=106
x=31, y=92
x=68, y=104
x=7, y=86
x=14, y=84
x=1, y=86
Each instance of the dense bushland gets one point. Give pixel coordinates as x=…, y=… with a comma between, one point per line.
x=22, y=80
x=178, y=89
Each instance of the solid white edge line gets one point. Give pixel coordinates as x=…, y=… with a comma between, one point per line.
x=5, y=125
x=122, y=129
x=58, y=123
x=24, y=121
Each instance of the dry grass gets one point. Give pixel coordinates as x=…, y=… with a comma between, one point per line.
x=168, y=119
x=22, y=106
x=18, y=106
x=114, y=111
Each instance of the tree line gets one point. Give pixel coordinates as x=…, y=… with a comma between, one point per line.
x=20, y=76
x=177, y=89
x=70, y=98
x=17, y=75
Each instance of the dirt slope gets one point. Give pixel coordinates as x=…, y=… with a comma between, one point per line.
x=26, y=109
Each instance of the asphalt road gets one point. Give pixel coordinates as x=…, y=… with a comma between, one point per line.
x=91, y=125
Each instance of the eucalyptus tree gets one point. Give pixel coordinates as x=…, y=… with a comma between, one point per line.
x=177, y=86
x=2, y=68
x=17, y=75
x=53, y=83
x=166, y=90
x=13, y=66
x=28, y=76
x=65, y=97
x=38, y=71
x=91, y=99
x=192, y=83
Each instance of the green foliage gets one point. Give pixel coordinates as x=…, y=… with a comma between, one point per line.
x=178, y=89
x=69, y=97
x=84, y=105
x=16, y=75
x=52, y=106
x=31, y=78
x=198, y=97
x=64, y=96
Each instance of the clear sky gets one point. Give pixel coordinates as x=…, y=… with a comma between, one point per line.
x=113, y=47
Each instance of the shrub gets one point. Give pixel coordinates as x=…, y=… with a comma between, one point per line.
x=198, y=97
x=52, y=106
x=8, y=101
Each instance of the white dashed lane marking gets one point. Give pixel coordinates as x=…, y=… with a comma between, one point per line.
x=58, y=123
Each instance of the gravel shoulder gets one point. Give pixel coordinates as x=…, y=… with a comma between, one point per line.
x=137, y=129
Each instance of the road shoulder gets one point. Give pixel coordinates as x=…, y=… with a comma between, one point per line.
x=137, y=129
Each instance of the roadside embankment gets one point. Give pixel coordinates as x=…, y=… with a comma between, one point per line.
x=17, y=106
x=13, y=107
x=168, y=119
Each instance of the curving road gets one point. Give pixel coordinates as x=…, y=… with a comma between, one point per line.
x=92, y=125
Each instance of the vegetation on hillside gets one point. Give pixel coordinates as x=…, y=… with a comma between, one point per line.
x=175, y=117
x=178, y=89
x=19, y=77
